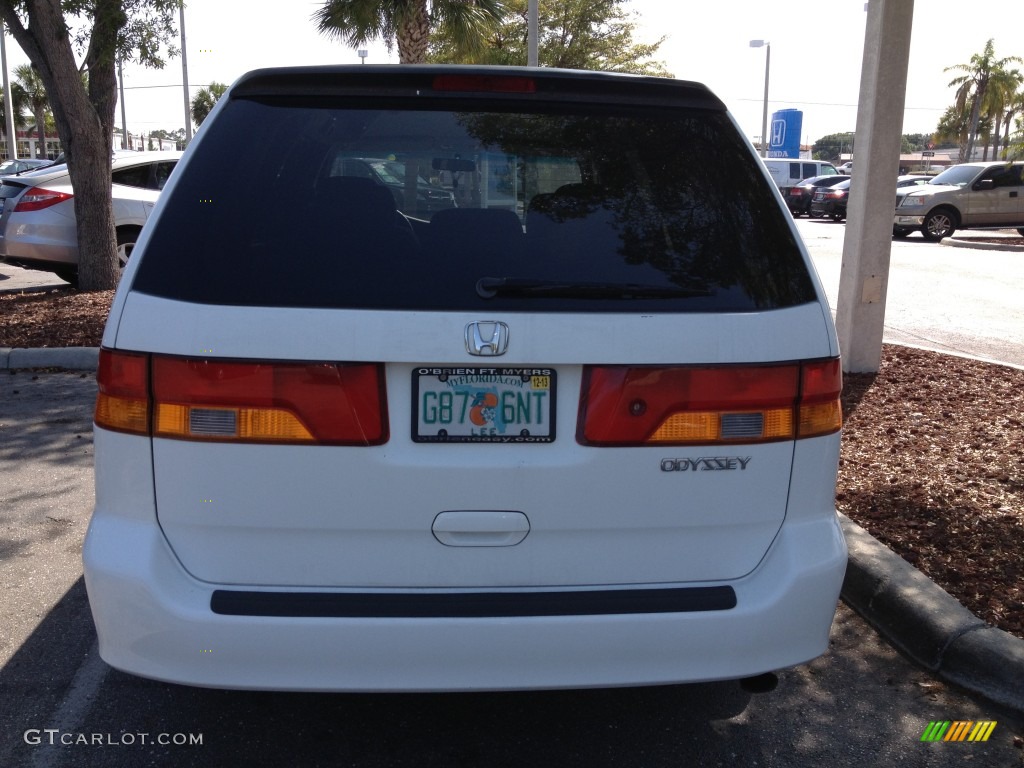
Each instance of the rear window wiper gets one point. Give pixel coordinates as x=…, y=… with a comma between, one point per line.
x=489, y=287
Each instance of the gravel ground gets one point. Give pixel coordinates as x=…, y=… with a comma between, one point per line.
x=931, y=461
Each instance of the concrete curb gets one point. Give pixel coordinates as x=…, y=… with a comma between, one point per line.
x=927, y=624
x=956, y=243
x=72, y=358
x=911, y=611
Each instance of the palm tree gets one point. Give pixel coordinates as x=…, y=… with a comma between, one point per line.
x=1001, y=89
x=36, y=100
x=953, y=126
x=18, y=101
x=1014, y=108
x=973, y=85
x=204, y=100
x=409, y=22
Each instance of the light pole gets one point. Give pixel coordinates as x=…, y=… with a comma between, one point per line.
x=533, y=30
x=184, y=79
x=767, y=68
x=12, y=137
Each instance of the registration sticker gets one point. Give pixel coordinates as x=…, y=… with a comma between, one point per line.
x=483, y=405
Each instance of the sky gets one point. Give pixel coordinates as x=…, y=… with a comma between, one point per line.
x=816, y=52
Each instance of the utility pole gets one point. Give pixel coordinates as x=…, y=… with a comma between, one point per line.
x=533, y=27
x=184, y=78
x=124, y=119
x=12, y=138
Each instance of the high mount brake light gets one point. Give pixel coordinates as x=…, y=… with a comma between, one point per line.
x=633, y=405
x=38, y=198
x=485, y=84
x=234, y=401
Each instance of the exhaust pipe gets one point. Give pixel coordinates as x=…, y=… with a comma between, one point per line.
x=765, y=683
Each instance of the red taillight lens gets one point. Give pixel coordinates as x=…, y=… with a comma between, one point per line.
x=624, y=405
x=37, y=198
x=820, y=410
x=316, y=403
x=485, y=84
x=122, y=402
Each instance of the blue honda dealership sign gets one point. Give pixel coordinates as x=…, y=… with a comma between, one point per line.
x=785, y=133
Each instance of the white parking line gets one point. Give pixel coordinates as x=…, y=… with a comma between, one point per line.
x=72, y=711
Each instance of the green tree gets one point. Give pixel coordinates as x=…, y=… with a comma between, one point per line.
x=36, y=100
x=19, y=99
x=973, y=86
x=410, y=23
x=204, y=100
x=953, y=126
x=1002, y=89
x=573, y=34
x=101, y=32
x=1014, y=109
x=915, y=142
x=177, y=136
x=830, y=147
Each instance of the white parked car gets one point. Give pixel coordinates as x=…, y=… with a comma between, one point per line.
x=38, y=228
x=580, y=430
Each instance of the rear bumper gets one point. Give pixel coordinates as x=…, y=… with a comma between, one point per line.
x=39, y=238
x=37, y=253
x=154, y=620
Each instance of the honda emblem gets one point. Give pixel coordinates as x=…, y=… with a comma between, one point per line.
x=486, y=338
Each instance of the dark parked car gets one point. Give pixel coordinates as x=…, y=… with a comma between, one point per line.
x=830, y=202
x=798, y=197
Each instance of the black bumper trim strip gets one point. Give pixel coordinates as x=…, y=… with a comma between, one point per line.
x=471, y=605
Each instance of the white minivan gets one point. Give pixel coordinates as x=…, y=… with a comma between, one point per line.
x=580, y=430
x=787, y=171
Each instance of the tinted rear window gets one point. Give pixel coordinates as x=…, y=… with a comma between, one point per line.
x=293, y=202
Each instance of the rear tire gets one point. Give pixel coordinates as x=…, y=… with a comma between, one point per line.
x=126, y=239
x=70, y=274
x=900, y=232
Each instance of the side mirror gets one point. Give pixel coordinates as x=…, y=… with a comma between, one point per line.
x=984, y=185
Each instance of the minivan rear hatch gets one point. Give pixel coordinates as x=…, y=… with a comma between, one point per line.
x=573, y=344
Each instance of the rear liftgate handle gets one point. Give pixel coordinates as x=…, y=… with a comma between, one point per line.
x=480, y=528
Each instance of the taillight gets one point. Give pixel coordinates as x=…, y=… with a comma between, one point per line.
x=122, y=403
x=631, y=405
x=37, y=198
x=819, y=410
x=257, y=402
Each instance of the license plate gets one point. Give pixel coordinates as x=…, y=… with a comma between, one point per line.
x=483, y=405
